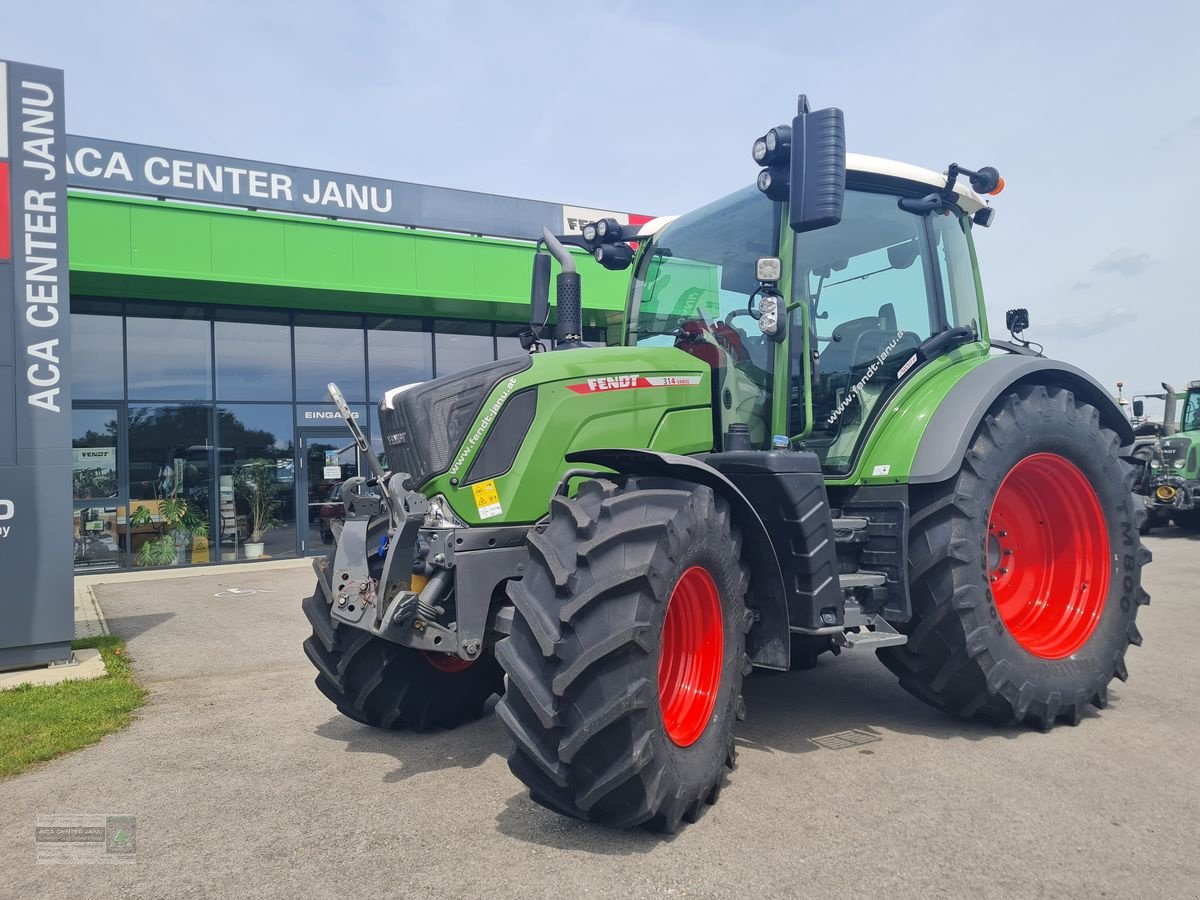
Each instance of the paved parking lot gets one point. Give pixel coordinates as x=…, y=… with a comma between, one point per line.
x=244, y=781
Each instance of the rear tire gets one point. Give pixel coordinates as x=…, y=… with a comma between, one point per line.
x=1003, y=627
x=626, y=656
x=385, y=685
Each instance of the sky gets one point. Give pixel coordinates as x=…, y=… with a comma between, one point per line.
x=1091, y=112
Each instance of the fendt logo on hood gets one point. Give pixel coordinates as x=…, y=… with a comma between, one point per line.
x=627, y=382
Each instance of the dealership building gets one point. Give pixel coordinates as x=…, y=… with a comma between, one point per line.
x=211, y=301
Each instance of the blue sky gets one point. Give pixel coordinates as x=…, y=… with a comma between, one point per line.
x=1090, y=110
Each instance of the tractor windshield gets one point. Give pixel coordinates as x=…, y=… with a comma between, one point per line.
x=1191, y=411
x=691, y=291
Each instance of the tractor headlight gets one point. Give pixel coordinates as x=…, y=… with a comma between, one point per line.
x=759, y=151
x=608, y=230
x=589, y=232
x=778, y=139
x=1179, y=463
x=774, y=183
x=769, y=315
x=614, y=256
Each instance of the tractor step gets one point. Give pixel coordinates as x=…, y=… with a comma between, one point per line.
x=849, y=528
x=884, y=635
x=861, y=579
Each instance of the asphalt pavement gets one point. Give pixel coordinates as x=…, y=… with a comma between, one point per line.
x=244, y=781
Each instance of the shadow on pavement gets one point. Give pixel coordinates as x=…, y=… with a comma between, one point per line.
x=465, y=747
x=794, y=712
x=127, y=627
x=524, y=820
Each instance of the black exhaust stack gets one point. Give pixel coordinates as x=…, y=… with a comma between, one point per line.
x=569, y=296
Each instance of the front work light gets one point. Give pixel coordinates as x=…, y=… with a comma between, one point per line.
x=589, y=232
x=614, y=256
x=608, y=230
x=774, y=183
x=770, y=316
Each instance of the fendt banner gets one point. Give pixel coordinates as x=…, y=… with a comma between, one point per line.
x=37, y=621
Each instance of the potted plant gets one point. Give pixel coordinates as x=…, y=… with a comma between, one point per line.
x=171, y=528
x=256, y=482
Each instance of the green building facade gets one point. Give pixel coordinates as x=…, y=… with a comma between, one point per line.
x=203, y=334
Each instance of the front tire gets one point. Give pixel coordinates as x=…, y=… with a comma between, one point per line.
x=385, y=685
x=626, y=656
x=1025, y=569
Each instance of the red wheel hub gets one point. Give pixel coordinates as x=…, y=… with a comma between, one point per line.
x=447, y=662
x=693, y=647
x=1048, y=555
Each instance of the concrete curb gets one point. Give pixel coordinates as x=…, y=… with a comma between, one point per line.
x=84, y=665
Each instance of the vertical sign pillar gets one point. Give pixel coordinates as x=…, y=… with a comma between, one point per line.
x=36, y=551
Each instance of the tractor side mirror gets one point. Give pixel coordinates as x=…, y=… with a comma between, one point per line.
x=1139, y=409
x=818, y=168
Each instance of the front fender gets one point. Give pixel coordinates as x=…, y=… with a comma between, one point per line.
x=768, y=642
x=952, y=425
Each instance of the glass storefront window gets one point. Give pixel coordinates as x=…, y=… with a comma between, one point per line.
x=99, y=526
x=400, y=352
x=170, y=484
x=460, y=345
x=330, y=348
x=256, y=486
x=508, y=342
x=97, y=357
x=169, y=359
x=254, y=361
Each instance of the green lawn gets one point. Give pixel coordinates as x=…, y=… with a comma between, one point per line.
x=40, y=723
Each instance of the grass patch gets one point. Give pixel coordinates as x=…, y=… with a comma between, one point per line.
x=41, y=722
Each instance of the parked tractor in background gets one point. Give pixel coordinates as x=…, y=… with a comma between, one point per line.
x=1168, y=479
x=805, y=441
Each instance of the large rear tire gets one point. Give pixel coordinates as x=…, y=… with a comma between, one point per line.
x=1025, y=569
x=384, y=685
x=626, y=657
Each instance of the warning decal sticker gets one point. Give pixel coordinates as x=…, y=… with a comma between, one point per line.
x=487, y=500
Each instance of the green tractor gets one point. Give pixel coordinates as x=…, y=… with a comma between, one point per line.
x=1169, y=478
x=803, y=440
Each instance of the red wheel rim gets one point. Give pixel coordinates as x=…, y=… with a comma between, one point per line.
x=693, y=646
x=447, y=662
x=1048, y=555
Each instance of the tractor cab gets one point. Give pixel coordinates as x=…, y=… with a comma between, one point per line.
x=852, y=307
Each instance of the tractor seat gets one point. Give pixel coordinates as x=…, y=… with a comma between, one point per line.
x=848, y=350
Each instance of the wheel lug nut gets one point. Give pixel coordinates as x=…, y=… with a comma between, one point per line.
x=1007, y=551
x=1003, y=571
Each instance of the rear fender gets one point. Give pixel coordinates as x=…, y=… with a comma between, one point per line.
x=768, y=642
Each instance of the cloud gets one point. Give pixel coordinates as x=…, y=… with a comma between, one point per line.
x=1083, y=326
x=1183, y=137
x=1123, y=261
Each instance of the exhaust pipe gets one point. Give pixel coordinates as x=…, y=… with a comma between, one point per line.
x=1170, y=426
x=567, y=294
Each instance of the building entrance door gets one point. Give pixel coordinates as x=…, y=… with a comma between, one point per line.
x=100, y=525
x=326, y=457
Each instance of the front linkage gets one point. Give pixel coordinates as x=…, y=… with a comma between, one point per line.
x=402, y=560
